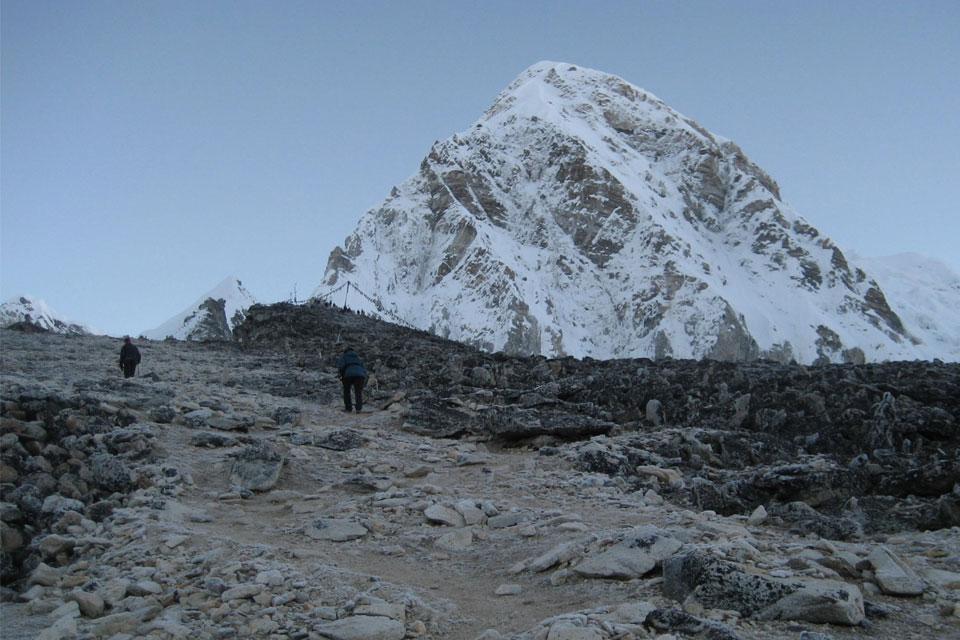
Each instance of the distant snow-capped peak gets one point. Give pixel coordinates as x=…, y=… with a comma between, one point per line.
x=38, y=313
x=212, y=317
x=581, y=215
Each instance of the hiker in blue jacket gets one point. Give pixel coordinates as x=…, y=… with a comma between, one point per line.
x=352, y=375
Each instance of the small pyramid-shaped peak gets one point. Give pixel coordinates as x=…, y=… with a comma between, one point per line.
x=228, y=301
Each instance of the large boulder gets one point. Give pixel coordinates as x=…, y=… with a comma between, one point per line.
x=894, y=576
x=362, y=628
x=639, y=552
x=721, y=584
x=257, y=467
x=110, y=473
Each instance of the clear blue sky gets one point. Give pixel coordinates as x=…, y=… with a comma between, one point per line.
x=150, y=149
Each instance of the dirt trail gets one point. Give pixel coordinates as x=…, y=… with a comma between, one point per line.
x=468, y=579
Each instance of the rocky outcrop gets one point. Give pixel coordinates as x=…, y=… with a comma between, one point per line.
x=63, y=461
x=728, y=437
x=716, y=583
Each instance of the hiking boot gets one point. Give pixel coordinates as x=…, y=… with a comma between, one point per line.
x=348, y=410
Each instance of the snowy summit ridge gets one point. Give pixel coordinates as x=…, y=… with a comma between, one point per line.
x=581, y=215
x=212, y=317
x=38, y=313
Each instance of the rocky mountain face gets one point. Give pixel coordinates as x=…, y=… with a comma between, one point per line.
x=583, y=216
x=478, y=496
x=212, y=317
x=32, y=313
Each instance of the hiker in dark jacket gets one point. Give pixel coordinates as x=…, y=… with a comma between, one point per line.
x=352, y=375
x=129, y=358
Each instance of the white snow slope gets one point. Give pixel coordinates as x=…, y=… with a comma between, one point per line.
x=36, y=311
x=212, y=316
x=583, y=216
x=925, y=293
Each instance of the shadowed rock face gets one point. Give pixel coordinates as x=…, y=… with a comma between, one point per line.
x=213, y=325
x=740, y=435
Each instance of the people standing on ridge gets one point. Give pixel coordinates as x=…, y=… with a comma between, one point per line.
x=353, y=376
x=129, y=357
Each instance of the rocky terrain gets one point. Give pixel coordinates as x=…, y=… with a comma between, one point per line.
x=223, y=493
x=581, y=215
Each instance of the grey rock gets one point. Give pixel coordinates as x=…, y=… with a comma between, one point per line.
x=286, y=415
x=270, y=578
x=440, y=514
x=241, y=592
x=110, y=473
x=371, y=606
x=640, y=551
x=44, y=575
x=144, y=588
x=470, y=512
x=62, y=628
x=197, y=417
x=229, y=423
x=10, y=513
x=820, y=602
x=563, y=552
x=456, y=540
x=362, y=628
x=893, y=575
x=335, y=530
x=213, y=440
x=11, y=538
x=720, y=584
x=163, y=415
x=91, y=603
x=340, y=440
x=673, y=620
x=124, y=622
x=57, y=505
x=257, y=467
x=505, y=520
x=758, y=516
x=54, y=544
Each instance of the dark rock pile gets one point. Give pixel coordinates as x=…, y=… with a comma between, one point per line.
x=835, y=449
x=67, y=463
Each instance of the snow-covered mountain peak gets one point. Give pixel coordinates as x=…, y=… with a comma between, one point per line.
x=212, y=317
x=38, y=313
x=580, y=215
x=570, y=96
